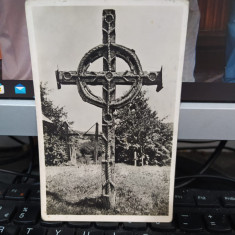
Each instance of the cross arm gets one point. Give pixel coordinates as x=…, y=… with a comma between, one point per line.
x=65, y=78
x=100, y=78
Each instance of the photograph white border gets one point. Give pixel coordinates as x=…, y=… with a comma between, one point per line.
x=33, y=50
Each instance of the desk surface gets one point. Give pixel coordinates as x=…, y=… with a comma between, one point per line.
x=214, y=121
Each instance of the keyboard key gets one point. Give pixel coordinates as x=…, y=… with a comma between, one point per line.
x=9, y=230
x=6, y=212
x=107, y=225
x=35, y=194
x=232, y=217
x=206, y=200
x=118, y=233
x=228, y=201
x=134, y=226
x=51, y=223
x=27, y=215
x=32, y=231
x=96, y=232
x=3, y=189
x=61, y=231
x=83, y=232
x=217, y=223
x=17, y=192
x=190, y=222
x=90, y=232
x=164, y=227
x=148, y=233
x=183, y=198
x=79, y=224
x=183, y=233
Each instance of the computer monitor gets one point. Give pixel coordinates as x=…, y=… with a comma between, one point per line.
x=205, y=101
x=16, y=73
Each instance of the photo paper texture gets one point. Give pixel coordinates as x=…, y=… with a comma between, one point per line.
x=107, y=78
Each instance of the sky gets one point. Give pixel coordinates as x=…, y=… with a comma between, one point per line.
x=64, y=34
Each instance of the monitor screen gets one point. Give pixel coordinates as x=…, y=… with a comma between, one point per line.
x=208, y=77
x=214, y=73
x=16, y=73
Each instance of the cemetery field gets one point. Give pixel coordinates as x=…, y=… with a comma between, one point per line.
x=74, y=190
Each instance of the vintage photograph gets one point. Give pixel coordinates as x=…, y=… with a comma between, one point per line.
x=108, y=81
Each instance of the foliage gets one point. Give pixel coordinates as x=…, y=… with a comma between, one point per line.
x=85, y=148
x=54, y=128
x=55, y=149
x=138, y=129
x=56, y=114
x=86, y=152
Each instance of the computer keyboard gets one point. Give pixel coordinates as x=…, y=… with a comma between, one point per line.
x=195, y=212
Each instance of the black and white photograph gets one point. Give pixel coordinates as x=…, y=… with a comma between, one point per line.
x=107, y=80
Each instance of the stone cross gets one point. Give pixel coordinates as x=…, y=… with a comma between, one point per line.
x=108, y=79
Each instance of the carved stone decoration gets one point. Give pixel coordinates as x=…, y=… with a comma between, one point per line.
x=108, y=79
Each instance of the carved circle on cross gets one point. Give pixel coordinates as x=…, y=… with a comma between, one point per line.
x=121, y=52
x=109, y=18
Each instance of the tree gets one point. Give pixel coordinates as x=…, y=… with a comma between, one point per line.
x=55, y=113
x=138, y=129
x=55, y=138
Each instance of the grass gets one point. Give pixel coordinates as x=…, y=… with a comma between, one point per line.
x=78, y=190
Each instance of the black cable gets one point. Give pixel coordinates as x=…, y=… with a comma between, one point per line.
x=205, y=176
x=229, y=148
x=9, y=160
x=13, y=156
x=32, y=154
x=204, y=147
x=208, y=163
x=214, y=156
x=11, y=149
x=9, y=156
x=17, y=140
x=196, y=148
x=19, y=174
x=35, y=183
x=197, y=142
